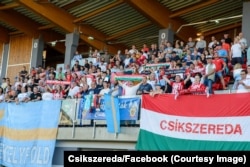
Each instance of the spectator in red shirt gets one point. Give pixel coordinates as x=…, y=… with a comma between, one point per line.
x=145, y=48
x=220, y=67
x=197, y=86
x=225, y=46
x=178, y=85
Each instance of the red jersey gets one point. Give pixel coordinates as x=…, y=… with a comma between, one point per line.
x=177, y=87
x=226, y=46
x=145, y=49
x=57, y=95
x=218, y=64
x=68, y=77
x=197, y=88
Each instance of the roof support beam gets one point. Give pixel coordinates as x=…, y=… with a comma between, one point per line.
x=15, y=33
x=222, y=29
x=49, y=26
x=60, y=47
x=17, y=20
x=9, y=6
x=64, y=20
x=98, y=11
x=192, y=8
x=128, y=31
x=73, y=4
x=159, y=15
x=50, y=35
x=4, y=35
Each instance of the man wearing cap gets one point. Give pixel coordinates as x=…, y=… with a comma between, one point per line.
x=209, y=75
x=222, y=53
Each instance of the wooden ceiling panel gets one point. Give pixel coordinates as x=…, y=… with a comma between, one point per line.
x=4, y=35
x=158, y=14
x=21, y=22
x=192, y=8
x=52, y=13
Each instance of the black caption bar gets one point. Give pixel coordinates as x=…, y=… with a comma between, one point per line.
x=157, y=158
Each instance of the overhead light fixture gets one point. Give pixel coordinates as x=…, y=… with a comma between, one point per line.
x=90, y=38
x=53, y=43
x=199, y=34
x=208, y=21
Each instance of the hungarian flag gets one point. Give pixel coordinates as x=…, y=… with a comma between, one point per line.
x=193, y=122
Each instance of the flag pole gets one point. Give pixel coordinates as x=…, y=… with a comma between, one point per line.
x=74, y=121
x=93, y=135
x=81, y=112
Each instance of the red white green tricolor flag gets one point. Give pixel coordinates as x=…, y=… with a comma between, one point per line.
x=195, y=122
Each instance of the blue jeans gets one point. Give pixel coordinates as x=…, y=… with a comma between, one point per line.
x=209, y=84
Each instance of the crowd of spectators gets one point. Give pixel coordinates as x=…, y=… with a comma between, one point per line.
x=200, y=63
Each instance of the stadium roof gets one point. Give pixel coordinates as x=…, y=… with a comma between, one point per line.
x=117, y=23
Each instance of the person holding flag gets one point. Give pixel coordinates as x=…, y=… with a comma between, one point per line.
x=177, y=85
x=197, y=87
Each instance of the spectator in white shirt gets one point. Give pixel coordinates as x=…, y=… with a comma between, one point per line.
x=244, y=84
x=242, y=41
x=236, y=52
x=47, y=95
x=23, y=96
x=105, y=89
x=129, y=87
x=201, y=44
x=74, y=89
x=103, y=65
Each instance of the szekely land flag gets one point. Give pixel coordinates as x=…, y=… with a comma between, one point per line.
x=28, y=133
x=194, y=122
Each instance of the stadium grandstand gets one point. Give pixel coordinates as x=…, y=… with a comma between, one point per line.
x=122, y=75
